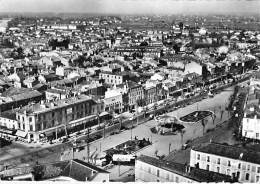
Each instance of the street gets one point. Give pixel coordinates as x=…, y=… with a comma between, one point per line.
x=46, y=153
x=160, y=142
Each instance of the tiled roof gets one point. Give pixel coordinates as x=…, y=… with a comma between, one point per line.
x=181, y=169
x=75, y=169
x=11, y=114
x=234, y=152
x=28, y=95
x=38, y=108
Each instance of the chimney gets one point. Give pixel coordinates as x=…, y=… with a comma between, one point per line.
x=241, y=156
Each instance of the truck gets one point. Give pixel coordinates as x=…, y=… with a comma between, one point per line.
x=123, y=158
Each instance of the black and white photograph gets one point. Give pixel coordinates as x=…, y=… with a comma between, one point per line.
x=130, y=91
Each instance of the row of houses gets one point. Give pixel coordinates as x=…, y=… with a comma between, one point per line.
x=210, y=162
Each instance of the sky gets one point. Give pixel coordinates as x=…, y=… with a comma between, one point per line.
x=132, y=6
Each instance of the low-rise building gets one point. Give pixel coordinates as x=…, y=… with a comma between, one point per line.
x=251, y=122
x=63, y=171
x=15, y=98
x=113, y=100
x=114, y=78
x=149, y=169
x=58, y=118
x=237, y=162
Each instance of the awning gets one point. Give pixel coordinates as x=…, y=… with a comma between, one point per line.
x=6, y=131
x=20, y=133
x=103, y=113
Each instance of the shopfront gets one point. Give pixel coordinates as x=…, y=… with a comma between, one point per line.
x=8, y=134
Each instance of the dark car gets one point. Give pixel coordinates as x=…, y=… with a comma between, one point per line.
x=114, y=133
x=65, y=140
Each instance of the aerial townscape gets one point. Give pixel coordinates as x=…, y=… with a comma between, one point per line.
x=129, y=97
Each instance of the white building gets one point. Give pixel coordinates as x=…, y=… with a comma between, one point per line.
x=240, y=163
x=113, y=78
x=149, y=169
x=251, y=123
x=113, y=100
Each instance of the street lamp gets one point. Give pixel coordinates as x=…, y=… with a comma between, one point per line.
x=132, y=130
x=170, y=148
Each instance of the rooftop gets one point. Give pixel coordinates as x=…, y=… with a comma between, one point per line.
x=194, y=173
x=44, y=107
x=252, y=111
x=234, y=152
x=76, y=169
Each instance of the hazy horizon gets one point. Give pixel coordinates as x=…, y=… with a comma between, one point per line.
x=132, y=6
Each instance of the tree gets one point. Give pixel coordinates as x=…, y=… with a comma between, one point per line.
x=144, y=44
x=182, y=132
x=204, y=72
x=203, y=125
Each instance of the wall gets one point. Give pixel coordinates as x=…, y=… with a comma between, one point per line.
x=235, y=166
x=148, y=173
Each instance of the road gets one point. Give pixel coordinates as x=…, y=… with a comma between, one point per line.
x=161, y=143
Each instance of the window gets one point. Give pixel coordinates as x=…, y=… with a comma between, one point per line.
x=239, y=166
x=229, y=164
x=258, y=169
x=218, y=169
x=158, y=173
x=149, y=169
x=228, y=171
x=30, y=119
x=247, y=176
x=257, y=179
x=23, y=119
x=31, y=128
x=176, y=179
x=248, y=167
x=23, y=126
x=208, y=159
x=207, y=167
x=218, y=161
x=198, y=156
x=167, y=176
x=257, y=135
x=238, y=175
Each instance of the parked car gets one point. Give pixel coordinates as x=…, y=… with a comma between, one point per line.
x=65, y=140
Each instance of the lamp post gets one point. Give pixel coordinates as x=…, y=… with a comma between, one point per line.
x=170, y=148
x=132, y=130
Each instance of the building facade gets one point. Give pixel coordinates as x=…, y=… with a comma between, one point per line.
x=113, y=100
x=135, y=95
x=56, y=119
x=149, y=169
x=113, y=78
x=251, y=123
x=236, y=162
